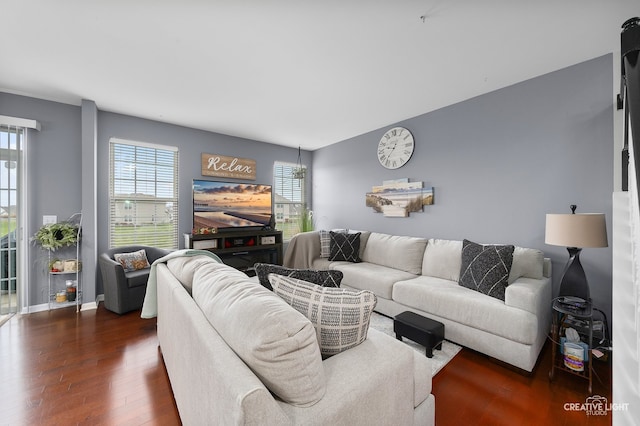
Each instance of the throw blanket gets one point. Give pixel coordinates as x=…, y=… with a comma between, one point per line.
x=150, y=304
x=302, y=249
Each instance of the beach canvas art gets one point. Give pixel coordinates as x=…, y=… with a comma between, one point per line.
x=398, y=198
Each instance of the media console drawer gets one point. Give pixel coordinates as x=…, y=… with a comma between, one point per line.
x=205, y=244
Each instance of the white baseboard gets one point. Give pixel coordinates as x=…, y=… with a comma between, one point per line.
x=35, y=308
x=89, y=306
x=92, y=305
x=45, y=306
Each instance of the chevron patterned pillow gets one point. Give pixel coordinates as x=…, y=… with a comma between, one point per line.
x=485, y=268
x=345, y=246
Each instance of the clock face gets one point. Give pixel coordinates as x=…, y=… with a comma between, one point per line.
x=395, y=148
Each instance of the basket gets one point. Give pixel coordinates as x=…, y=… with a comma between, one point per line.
x=72, y=265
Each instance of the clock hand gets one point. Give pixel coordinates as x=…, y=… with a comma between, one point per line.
x=394, y=147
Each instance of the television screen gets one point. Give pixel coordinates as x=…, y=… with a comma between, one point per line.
x=229, y=205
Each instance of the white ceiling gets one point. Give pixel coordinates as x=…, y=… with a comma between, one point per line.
x=293, y=72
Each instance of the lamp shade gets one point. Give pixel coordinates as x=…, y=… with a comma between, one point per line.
x=576, y=230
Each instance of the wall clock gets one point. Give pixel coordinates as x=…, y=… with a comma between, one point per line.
x=395, y=148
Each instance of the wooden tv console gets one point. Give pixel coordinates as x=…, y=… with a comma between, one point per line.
x=241, y=249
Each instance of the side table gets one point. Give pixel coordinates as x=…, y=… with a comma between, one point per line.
x=563, y=316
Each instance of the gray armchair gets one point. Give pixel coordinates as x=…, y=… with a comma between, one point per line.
x=124, y=291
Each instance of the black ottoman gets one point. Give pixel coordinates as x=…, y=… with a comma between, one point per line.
x=424, y=331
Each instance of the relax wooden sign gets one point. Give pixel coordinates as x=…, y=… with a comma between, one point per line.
x=228, y=167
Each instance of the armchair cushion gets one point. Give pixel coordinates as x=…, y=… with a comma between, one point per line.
x=137, y=278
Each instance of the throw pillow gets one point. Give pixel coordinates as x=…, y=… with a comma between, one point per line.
x=325, y=244
x=485, y=268
x=132, y=261
x=340, y=316
x=345, y=247
x=325, y=278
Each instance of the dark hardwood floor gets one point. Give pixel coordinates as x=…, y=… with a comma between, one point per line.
x=96, y=367
x=472, y=389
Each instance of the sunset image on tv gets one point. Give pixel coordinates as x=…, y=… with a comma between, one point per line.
x=228, y=205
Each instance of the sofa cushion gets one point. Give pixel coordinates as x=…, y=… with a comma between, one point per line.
x=485, y=268
x=528, y=263
x=132, y=261
x=442, y=259
x=447, y=300
x=403, y=253
x=277, y=342
x=372, y=277
x=340, y=316
x=325, y=278
x=345, y=246
x=183, y=268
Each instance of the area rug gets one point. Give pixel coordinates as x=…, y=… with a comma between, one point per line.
x=440, y=357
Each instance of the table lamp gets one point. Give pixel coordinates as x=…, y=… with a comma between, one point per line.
x=575, y=231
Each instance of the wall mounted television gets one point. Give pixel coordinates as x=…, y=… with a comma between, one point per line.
x=227, y=205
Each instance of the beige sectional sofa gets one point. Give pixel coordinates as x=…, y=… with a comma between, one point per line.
x=237, y=354
x=420, y=275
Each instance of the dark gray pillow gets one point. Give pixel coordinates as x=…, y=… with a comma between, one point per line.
x=345, y=246
x=323, y=278
x=485, y=268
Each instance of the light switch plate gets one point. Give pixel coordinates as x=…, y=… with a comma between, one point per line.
x=48, y=219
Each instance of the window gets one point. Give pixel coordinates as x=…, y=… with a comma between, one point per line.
x=143, y=194
x=289, y=199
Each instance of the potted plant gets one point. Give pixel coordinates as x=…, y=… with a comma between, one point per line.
x=53, y=236
x=306, y=220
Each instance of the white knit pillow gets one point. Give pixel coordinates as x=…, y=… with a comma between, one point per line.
x=340, y=316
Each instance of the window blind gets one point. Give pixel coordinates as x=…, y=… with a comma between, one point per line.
x=143, y=194
x=289, y=199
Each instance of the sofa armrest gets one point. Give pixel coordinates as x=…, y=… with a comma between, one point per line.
x=155, y=253
x=530, y=295
x=112, y=271
x=546, y=267
x=372, y=383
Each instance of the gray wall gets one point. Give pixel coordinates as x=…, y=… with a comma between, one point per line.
x=498, y=163
x=58, y=171
x=53, y=173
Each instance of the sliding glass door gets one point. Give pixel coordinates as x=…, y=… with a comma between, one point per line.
x=11, y=146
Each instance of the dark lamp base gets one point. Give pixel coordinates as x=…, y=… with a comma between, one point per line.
x=574, y=281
